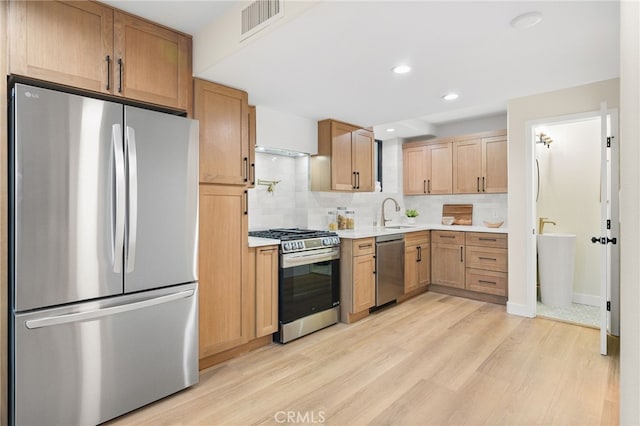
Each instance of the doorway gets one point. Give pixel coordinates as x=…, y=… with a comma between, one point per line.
x=572, y=170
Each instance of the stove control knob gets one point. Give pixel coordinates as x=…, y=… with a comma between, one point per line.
x=300, y=245
x=286, y=246
x=336, y=240
x=325, y=241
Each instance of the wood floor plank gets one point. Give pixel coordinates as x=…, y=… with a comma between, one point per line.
x=433, y=359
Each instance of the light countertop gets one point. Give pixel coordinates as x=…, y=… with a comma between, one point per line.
x=261, y=242
x=364, y=232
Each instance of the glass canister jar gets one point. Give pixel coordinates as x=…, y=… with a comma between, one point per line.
x=332, y=220
x=342, y=217
x=350, y=219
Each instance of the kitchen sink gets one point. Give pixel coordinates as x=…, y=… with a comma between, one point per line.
x=398, y=227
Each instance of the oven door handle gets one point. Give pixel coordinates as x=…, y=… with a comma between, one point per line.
x=292, y=260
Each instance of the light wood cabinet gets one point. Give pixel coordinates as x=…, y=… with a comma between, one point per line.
x=417, y=261
x=487, y=263
x=467, y=164
x=252, y=147
x=427, y=168
x=225, y=301
x=480, y=163
x=447, y=258
x=224, y=133
x=266, y=289
x=152, y=63
x=357, y=278
x=66, y=42
x=345, y=159
x=91, y=46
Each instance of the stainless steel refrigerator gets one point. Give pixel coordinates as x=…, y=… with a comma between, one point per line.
x=103, y=289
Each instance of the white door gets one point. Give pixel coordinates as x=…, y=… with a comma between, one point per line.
x=608, y=238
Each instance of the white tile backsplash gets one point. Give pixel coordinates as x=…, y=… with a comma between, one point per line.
x=293, y=205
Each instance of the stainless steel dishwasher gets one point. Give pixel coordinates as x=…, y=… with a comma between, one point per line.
x=389, y=268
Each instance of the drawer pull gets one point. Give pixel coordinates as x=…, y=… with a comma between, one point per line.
x=488, y=258
x=487, y=282
x=487, y=239
x=447, y=236
x=362, y=246
x=461, y=250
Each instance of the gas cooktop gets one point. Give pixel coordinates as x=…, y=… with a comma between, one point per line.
x=297, y=239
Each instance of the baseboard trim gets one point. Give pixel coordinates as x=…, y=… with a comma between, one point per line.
x=586, y=299
x=520, y=310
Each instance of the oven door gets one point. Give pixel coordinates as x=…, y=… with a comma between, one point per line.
x=309, y=283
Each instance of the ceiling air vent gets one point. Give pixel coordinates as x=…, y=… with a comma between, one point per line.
x=260, y=14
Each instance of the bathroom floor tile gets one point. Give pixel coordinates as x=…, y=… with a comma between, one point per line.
x=578, y=314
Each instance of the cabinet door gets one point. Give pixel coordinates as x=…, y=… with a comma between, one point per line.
x=364, y=285
x=439, y=168
x=153, y=64
x=447, y=265
x=424, y=265
x=342, y=178
x=252, y=147
x=66, y=42
x=224, y=135
x=414, y=163
x=362, y=150
x=411, y=266
x=467, y=166
x=494, y=164
x=225, y=306
x=266, y=290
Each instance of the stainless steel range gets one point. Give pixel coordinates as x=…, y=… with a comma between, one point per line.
x=309, y=280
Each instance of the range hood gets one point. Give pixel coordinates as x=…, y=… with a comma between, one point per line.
x=282, y=133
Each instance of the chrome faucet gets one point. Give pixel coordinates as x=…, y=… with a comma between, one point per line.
x=541, y=223
x=384, y=220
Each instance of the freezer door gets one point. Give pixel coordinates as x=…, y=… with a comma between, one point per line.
x=64, y=216
x=162, y=167
x=87, y=363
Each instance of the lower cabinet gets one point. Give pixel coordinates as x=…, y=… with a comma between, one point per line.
x=238, y=285
x=447, y=258
x=417, y=261
x=264, y=261
x=225, y=306
x=357, y=278
x=470, y=264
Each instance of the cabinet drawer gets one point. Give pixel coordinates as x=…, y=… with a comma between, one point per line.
x=491, y=259
x=447, y=237
x=486, y=239
x=364, y=246
x=487, y=282
x=416, y=238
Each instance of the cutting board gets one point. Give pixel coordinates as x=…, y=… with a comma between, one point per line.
x=462, y=213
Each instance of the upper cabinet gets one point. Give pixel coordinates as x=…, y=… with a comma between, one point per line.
x=427, y=167
x=223, y=113
x=345, y=160
x=91, y=46
x=152, y=63
x=480, y=164
x=468, y=164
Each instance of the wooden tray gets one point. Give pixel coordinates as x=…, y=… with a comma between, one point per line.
x=462, y=213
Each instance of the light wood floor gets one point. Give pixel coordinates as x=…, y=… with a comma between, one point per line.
x=434, y=359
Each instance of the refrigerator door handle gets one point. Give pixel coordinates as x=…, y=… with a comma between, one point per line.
x=132, y=163
x=99, y=313
x=118, y=160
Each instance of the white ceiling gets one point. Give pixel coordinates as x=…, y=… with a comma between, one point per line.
x=335, y=60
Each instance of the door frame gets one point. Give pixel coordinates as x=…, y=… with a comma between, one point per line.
x=531, y=211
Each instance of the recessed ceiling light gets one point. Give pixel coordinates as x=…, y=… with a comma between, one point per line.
x=402, y=69
x=450, y=96
x=391, y=129
x=526, y=20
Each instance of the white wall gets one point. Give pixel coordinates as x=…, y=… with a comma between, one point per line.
x=570, y=196
x=474, y=125
x=629, y=213
x=521, y=111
